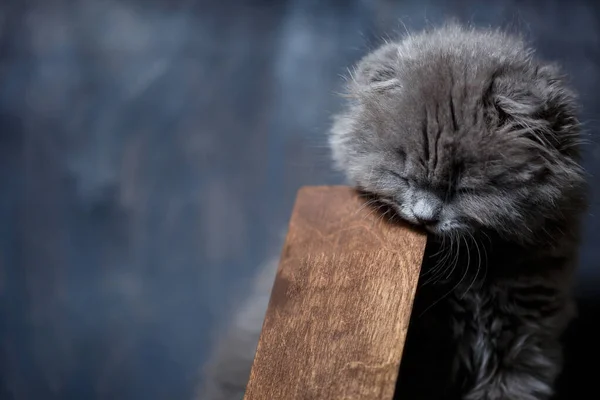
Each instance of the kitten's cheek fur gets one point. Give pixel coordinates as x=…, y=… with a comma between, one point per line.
x=404, y=213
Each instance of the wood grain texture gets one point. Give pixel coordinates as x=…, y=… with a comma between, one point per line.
x=341, y=302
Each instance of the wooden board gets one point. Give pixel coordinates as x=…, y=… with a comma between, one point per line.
x=341, y=302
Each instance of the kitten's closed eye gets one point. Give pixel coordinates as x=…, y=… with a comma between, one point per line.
x=399, y=177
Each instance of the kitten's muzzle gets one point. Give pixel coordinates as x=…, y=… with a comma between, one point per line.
x=426, y=211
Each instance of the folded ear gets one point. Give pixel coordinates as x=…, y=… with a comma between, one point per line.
x=379, y=69
x=523, y=94
x=538, y=103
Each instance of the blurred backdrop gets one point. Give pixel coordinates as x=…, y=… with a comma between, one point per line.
x=150, y=152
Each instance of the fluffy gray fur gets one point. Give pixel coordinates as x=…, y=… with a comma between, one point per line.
x=465, y=133
x=468, y=135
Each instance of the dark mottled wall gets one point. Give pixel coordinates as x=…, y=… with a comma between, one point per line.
x=149, y=156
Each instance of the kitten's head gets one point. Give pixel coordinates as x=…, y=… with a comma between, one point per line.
x=460, y=130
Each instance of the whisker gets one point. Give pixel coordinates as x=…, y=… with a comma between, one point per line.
x=485, y=264
x=451, y=290
x=381, y=218
x=366, y=204
x=457, y=256
x=441, y=267
x=440, y=260
x=478, y=265
x=374, y=210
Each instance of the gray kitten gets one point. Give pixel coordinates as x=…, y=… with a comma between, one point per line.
x=467, y=135
x=464, y=133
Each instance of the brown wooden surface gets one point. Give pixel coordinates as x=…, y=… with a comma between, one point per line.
x=341, y=302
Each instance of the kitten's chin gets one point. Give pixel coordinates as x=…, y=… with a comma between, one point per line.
x=446, y=228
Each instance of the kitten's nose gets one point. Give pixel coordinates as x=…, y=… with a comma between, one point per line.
x=426, y=212
x=429, y=220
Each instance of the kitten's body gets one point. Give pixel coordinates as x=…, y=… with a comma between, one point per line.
x=466, y=134
x=482, y=332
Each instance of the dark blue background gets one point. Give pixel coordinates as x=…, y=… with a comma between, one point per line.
x=150, y=152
